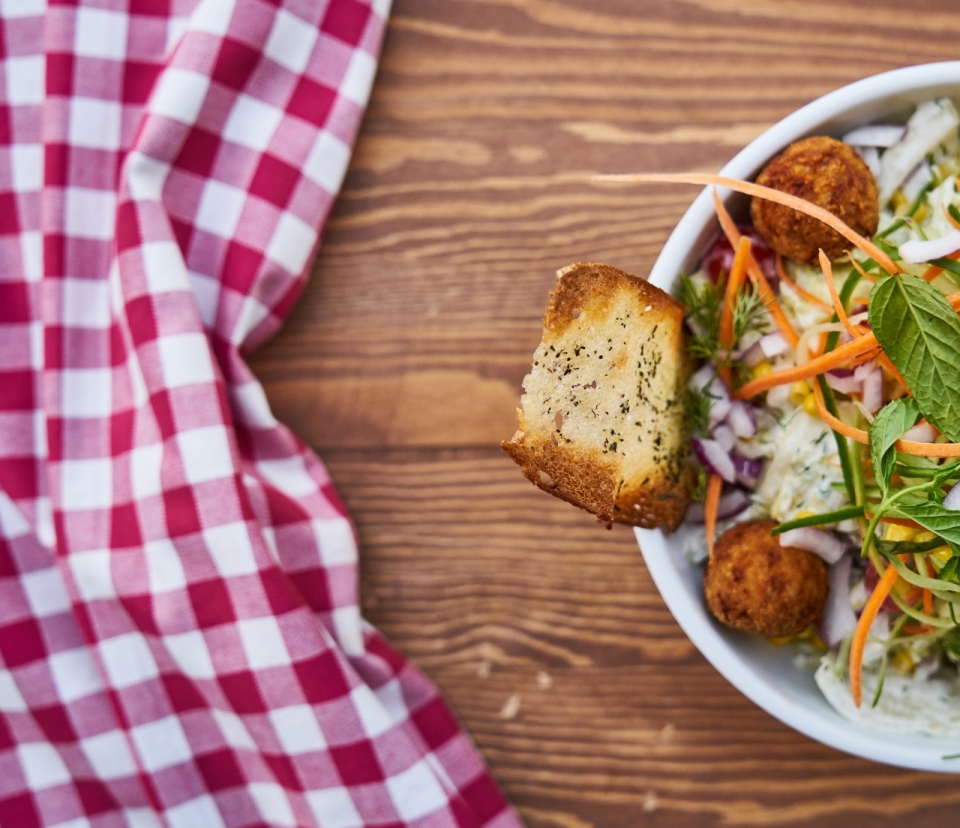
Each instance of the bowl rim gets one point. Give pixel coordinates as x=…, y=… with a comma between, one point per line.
x=888, y=748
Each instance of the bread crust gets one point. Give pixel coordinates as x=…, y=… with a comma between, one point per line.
x=591, y=474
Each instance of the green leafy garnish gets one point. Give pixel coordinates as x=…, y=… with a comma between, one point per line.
x=920, y=333
x=818, y=520
x=887, y=427
x=931, y=515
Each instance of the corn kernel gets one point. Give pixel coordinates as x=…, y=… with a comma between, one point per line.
x=899, y=202
x=921, y=213
x=923, y=536
x=893, y=532
x=902, y=662
x=810, y=405
x=799, y=391
x=805, y=513
x=780, y=640
x=901, y=587
x=761, y=370
x=942, y=553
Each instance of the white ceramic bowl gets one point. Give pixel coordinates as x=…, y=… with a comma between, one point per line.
x=761, y=671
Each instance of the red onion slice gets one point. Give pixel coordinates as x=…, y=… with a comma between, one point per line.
x=917, y=180
x=916, y=251
x=952, y=501
x=873, y=391
x=741, y=419
x=875, y=135
x=821, y=543
x=861, y=371
x=773, y=344
x=731, y=504
x=714, y=459
x=724, y=436
x=871, y=157
x=839, y=619
x=922, y=433
x=748, y=469
x=845, y=385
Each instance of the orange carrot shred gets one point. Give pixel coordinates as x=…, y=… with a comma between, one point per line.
x=711, y=505
x=838, y=356
x=767, y=295
x=769, y=194
x=737, y=270
x=806, y=294
x=838, y=307
x=859, y=641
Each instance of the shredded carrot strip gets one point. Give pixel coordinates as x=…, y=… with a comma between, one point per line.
x=711, y=504
x=835, y=423
x=769, y=194
x=912, y=596
x=859, y=641
x=806, y=294
x=838, y=307
x=838, y=356
x=737, y=271
x=927, y=594
x=863, y=274
x=770, y=302
x=915, y=629
x=884, y=360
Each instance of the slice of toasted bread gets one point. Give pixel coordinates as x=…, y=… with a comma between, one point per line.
x=603, y=421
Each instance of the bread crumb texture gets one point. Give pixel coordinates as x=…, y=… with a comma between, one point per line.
x=602, y=422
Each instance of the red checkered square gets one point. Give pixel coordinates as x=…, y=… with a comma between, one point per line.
x=346, y=19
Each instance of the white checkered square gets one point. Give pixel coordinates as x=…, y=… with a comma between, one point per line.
x=91, y=574
x=207, y=293
x=230, y=549
x=101, y=34
x=185, y=359
x=180, y=93
x=127, y=660
x=12, y=522
x=251, y=405
x=145, y=463
x=164, y=570
x=205, y=453
x=333, y=808
x=189, y=651
x=141, y=818
x=42, y=765
x=289, y=475
x=336, y=541
x=109, y=755
x=95, y=123
x=161, y=744
x=145, y=176
x=273, y=804
x=252, y=123
x=201, y=812
x=75, y=674
x=370, y=712
x=86, y=484
x=90, y=214
x=346, y=622
x=416, y=792
x=13, y=9
x=220, y=208
x=213, y=16
x=358, y=81
x=25, y=80
x=233, y=730
x=297, y=729
x=263, y=642
x=87, y=392
x=27, y=163
x=164, y=266
x=291, y=41
x=31, y=253
x=11, y=700
x=327, y=162
x=292, y=243
x=390, y=696
x=86, y=303
x=46, y=592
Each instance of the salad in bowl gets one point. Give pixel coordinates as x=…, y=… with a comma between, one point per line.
x=818, y=567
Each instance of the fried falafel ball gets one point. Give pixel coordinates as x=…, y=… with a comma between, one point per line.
x=754, y=584
x=825, y=172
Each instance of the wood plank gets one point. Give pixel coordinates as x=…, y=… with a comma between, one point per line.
x=497, y=591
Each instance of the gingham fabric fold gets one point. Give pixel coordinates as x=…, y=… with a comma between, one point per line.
x=179, y=629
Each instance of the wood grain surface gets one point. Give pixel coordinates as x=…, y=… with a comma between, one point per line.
x=402, y=365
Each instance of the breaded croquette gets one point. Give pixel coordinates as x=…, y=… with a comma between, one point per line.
x=827, y=173
x=754, y=584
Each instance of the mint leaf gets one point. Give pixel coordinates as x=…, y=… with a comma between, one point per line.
x=887, y=427
x=933, y=517
x=920, y=333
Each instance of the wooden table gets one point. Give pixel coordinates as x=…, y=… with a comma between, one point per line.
x=402, y=365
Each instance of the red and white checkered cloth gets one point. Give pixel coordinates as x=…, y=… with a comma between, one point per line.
x=180, y=637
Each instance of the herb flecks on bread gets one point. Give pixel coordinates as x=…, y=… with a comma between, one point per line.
x=603, y=422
